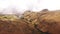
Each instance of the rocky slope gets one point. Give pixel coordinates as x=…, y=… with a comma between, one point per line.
x=42, y=22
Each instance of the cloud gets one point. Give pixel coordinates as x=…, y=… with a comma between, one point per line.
x=34, y=5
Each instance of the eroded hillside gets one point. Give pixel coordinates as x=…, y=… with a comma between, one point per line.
x=42, y=22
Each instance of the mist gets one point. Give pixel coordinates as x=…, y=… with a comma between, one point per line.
x=19, y=6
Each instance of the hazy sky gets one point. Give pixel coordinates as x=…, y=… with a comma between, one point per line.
x=35, y=5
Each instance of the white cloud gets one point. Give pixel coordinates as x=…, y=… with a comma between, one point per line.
x=35, y=5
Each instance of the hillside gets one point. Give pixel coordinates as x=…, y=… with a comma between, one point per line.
x=43, y=22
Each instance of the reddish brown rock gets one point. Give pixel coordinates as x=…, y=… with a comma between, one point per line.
x=50, y=22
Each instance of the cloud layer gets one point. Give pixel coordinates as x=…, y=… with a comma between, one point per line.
x=34, y=5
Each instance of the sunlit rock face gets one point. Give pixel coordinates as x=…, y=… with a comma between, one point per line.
x=30, y=16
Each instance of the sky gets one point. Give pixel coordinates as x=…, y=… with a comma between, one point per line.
x=33, y=5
